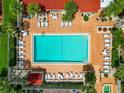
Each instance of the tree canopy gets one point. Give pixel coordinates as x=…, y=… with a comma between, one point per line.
x=33, y=8
x=115, y=8
x=120, y=73
x=6, y=88
x=16, y=7
x=118, y=37
x=90, y=79
x=70, y=9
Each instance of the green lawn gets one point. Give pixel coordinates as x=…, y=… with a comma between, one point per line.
x=3, y=50
x=7, y=14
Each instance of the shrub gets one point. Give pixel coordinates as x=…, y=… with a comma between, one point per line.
x=115, y=58
x=105, y=75
x=86, y=18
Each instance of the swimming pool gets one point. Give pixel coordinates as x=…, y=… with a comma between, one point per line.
x=60, y=48
x=107, y=88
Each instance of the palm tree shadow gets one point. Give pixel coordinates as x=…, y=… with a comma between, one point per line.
x=88, y=67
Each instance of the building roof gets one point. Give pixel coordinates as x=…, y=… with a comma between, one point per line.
x=35, y=79
x=84, y=5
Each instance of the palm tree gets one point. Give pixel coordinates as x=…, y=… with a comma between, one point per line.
x=17, y=8
x=33, y=8
x=70, y=9
x=5, y=86
x=90, y=89
x=90, y=78
x=9, y=28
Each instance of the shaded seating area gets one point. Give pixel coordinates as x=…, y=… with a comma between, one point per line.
x=67, y=76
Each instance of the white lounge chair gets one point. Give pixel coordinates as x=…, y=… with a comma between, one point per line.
x=107, y=40
x=25, y=34
x=39, y=24
x=46, y=76
x=70, y=24
x=21, y=52
x=67, y=76
x=46, y=24
x=62, y=24
x=42, y=24
x=53, y=76
x=107, y=58
x=107, y=45
x=21, y=46
x=106, y=71
x=76, y=76
x=21, y=56
x=20, y=42
x=81, y=75
x=54, y=16
x=107, y=63
x=66, y=24
x=106, y=67
x=71, y=75
x=106, y=35
x=104, y=53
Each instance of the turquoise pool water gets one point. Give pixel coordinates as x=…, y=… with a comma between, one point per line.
x=60, y=48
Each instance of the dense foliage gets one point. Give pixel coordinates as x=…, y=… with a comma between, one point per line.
x=70, y=9
x=120, y=73
x=118, y=41
x=90, y=79
x=86, y=18
x=33, y=8
x=118, y=37
x=5, y=87
x=16, y=7
x=115, y=57
x=115, y=8
x=62, y=85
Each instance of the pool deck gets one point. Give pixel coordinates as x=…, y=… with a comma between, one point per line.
x=78, y=26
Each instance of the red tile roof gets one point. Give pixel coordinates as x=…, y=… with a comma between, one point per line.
x=35, y=79
x=84, y=5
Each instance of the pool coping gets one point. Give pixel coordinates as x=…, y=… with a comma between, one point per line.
x=60, y=63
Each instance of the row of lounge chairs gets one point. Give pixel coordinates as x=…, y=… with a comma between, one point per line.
x=42, y=20
x=106, y=53
x=42, y=24
x=20, y=54
x=66, y=24
x=65, y=76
